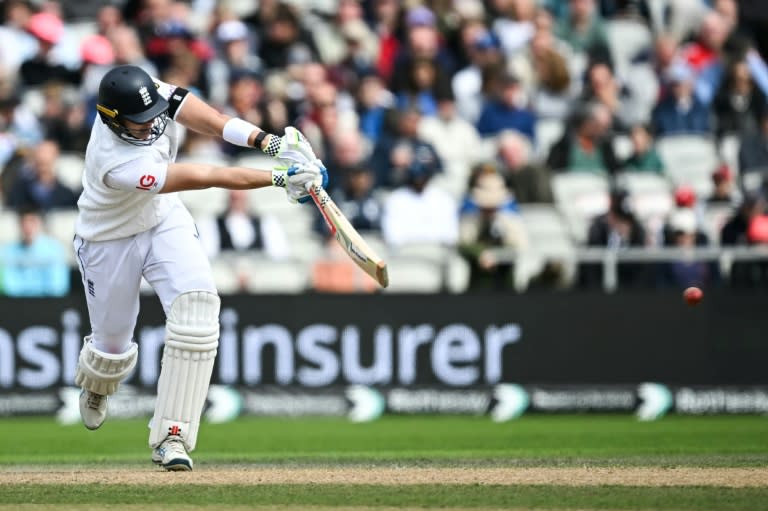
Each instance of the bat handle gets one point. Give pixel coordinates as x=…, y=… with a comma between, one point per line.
x=315, y=192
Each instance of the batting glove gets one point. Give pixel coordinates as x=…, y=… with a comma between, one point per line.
x=299, y=178
x=291, y=148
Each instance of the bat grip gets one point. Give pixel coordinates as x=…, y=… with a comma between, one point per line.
x=314, y=192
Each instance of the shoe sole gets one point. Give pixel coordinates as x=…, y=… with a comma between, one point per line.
x=178, y=466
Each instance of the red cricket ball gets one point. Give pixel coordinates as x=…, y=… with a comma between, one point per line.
x=693, y=295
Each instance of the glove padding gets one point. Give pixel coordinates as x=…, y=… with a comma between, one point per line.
x=299, y=178
x=293, y=147
x=293, y=150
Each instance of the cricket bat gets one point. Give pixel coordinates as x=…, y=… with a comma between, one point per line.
x=349, y=239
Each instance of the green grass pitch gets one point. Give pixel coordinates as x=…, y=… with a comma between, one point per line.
x=463, y=442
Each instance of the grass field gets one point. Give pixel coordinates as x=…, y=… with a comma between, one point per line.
x=537, y=462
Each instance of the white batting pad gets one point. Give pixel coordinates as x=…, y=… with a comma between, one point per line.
x=101, y=372
x=192, y=336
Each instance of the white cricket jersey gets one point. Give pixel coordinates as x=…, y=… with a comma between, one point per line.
x=108, y=212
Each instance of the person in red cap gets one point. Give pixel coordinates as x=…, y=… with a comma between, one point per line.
x=747, y=226
x=685, y=197
x=48, y=29
x=722, y=178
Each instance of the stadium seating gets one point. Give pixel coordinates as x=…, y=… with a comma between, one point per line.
x=622, y=146
x=69, y=170
x=689, y=160
x=60, y=224
x=715, y=217
x=413, y=275
x=580, y=196
x=9, y=226
x=627, y=38
x=729, y=152
x=651, y=193
x=642, y=81
x=547, y=132
x=264, y=276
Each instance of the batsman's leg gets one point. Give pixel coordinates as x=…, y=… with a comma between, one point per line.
x=99, y=374
x=192, y=338
x=111, y=272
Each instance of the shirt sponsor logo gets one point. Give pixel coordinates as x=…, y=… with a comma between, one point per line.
x=147, y=182
x=145, y=97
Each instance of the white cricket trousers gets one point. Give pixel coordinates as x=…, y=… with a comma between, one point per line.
x=169, y=256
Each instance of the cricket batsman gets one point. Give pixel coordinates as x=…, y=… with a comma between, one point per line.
x=131, y=225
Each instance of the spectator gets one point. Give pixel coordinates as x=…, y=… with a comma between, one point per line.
x=373, y=101
x=64, y=118
x=527, y=181
x=553, y=89
x=739, y=104
x=239, y=229
x=489, y=220
x=685, y=272
x=416, y=213
x=37, y=184
x=663, y=58
x=173, y=45
x=386, y=25
x=748, y=226
x=753, y=151
x=348, y=150
x=583, y=29
x=681, y=112
x=359, y=58
x=506, y=108
x=35, y=265
x=236, y=55
x=285, y=42
x=602, y=87
x=586, y=145
x=20, y=129
x=48, y=29
x=454, y=138
x=723, y=181
x=128, y=49
x=395, y=153
x=484, y=53
x=514, y=22
x=426, y=85
x=617, y=229
x=644, y=157
x=16, y=43
x=345, y=35
x=423, y=43
x=684, y=214
x=246, y=92
x=735, y=230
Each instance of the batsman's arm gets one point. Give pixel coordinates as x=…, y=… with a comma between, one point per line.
x=199, y=116
x=197, y=176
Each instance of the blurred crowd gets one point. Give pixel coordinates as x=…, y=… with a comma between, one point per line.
x=442, y=122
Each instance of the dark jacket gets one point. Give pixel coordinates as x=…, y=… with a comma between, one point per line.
x=668, y=120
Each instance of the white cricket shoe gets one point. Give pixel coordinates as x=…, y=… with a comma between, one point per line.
x=93, y=409
x=172, y=455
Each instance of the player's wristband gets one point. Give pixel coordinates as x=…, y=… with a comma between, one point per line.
x=260, y=139
x=237, y=131
x=279, y=178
